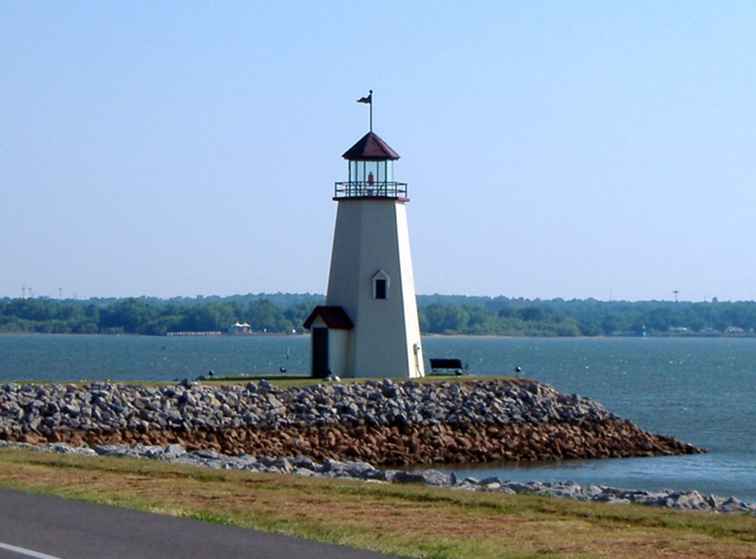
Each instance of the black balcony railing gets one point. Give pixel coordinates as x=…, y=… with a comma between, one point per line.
x=365, y=189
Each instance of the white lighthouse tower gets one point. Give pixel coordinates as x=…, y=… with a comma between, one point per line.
x=369, y=324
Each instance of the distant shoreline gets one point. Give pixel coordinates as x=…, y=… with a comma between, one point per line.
x=423, y=334
x=438, y=314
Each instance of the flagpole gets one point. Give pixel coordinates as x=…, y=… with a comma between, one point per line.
x=369, y=100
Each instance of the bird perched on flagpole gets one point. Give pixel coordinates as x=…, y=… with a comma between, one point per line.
x=369, y=101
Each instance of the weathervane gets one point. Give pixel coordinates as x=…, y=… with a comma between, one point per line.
x=369, y=100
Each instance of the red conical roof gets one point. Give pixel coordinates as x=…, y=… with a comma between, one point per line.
x=370, y=148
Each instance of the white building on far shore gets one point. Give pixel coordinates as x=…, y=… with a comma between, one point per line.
x=240, y=329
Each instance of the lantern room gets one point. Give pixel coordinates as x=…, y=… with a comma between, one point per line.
x=371, y=171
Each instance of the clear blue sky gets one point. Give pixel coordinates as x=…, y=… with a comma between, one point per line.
x=552, y=149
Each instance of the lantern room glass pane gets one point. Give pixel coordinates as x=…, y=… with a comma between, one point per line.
x=369, y=171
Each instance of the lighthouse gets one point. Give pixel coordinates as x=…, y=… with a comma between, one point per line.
x=369, y=325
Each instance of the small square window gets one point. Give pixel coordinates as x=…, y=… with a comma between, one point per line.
x=380, y=288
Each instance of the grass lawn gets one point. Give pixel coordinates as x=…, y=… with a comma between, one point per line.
x=413, y=521
x=282, y=381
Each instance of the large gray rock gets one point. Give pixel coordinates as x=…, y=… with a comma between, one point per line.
x=733, y=504
x=408, y=477
x=173, y=451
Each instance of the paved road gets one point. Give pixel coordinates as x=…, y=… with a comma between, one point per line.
x=52, y=528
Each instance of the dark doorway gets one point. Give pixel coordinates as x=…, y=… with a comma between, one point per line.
x=320, y=352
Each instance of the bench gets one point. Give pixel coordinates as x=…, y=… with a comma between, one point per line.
x=447, y=364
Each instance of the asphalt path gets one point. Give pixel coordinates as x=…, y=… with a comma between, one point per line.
x=44, y=527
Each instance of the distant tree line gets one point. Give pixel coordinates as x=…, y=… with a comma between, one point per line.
x=439, y=314
x=157, y=317
x=583, y=317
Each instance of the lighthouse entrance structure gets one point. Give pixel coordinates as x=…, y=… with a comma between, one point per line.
x=369, y=325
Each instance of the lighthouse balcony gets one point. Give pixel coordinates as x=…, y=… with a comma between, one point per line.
x=370, y=189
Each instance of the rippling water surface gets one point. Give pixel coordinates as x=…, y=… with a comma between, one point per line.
x=700, y=390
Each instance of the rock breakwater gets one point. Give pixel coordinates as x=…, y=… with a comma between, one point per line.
x=383, y=422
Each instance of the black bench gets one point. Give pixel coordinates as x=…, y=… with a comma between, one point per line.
x=447, y=364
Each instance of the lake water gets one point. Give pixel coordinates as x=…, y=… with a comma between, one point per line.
x=702, y=391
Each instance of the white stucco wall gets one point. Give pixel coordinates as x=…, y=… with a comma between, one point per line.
x=409, y=297
x=372, y=235
x=338, y=351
